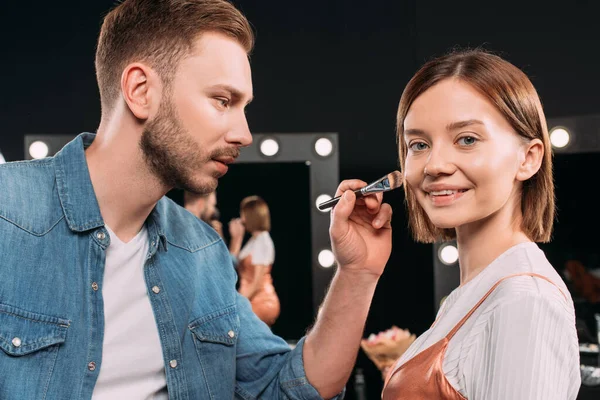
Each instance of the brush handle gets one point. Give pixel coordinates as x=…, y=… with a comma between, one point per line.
x=332, y=202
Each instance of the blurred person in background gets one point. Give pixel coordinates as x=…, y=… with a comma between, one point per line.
x=204, y=206
x=255, y=259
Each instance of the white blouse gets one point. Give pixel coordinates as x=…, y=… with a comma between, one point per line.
x=261, y=248
x=520, y=344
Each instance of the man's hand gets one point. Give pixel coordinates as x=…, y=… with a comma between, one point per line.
x=361, y=237
x=360, y=230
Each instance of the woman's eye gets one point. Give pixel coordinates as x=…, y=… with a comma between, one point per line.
x=467, y=141
x=418, y=146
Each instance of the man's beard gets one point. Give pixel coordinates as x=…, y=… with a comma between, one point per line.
x=173, y=156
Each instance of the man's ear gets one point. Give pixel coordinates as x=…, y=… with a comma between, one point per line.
x=531, y=163
x=139, y=85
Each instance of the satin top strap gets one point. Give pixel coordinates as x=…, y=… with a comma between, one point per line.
x=466, y=317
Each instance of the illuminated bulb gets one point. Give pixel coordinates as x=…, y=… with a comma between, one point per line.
x=326, y=258
x=269, y=147
x=323, y=147
x=38, y=149
x=321, y=199
x=559, y=137
x=449, y=254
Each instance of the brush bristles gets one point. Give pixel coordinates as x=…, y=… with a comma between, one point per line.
x=395, y=179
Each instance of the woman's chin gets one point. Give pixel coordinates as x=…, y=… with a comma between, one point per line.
x=444, y=224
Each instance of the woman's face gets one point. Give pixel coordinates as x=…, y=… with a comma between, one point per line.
x=463, y=156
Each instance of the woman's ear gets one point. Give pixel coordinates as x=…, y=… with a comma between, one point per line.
x=531, y=163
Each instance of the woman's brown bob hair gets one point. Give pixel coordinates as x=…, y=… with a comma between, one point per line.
x=256, y=213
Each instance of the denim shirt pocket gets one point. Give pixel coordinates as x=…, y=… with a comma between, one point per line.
x=215, y=337
x=29, y=345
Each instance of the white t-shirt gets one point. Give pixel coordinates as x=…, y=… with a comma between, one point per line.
x=132, y=360
x=520, y=344
x=261, y=248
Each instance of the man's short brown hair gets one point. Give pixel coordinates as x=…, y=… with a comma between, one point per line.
x=160, y=33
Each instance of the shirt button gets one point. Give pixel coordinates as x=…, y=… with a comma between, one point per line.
x=156, y=289
x=92, y=366
x=153, y=244
x=94, y=286
x=101, y=235
x=16, y=342
x=173, y=363
x=231, y=334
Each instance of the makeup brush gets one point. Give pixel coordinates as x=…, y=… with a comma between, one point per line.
x=389, y=182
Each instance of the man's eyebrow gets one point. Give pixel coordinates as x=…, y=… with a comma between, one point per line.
x=237, y=94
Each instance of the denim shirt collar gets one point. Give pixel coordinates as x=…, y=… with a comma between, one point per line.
x=77, y=195
x=75, y=189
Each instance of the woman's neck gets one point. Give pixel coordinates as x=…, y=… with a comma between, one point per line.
x=483, y=241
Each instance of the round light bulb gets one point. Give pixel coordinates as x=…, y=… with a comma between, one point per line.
x=559, y=137
x=323, y=147
x=326, y=258
x=321, y=199
x=449, y=254
x=38, y=149
x=269, y=147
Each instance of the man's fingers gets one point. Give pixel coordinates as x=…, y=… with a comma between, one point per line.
x=383, y=217
x=373, y=202
x=341, y=213
x=349, y=184
x=345, y=206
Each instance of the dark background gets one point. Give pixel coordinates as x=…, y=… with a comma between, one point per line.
x=332, y=66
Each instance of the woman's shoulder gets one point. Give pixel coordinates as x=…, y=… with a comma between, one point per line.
x=524, y=273
x=264, y=238
x=543, y=295
x=539, y=288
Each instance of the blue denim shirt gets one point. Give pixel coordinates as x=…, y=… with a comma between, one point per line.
x=52, y=254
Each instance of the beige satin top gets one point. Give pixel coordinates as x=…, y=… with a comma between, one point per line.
x=422, y=377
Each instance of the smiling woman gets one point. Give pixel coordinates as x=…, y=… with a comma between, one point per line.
x=457, y=155
x=475, y=153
